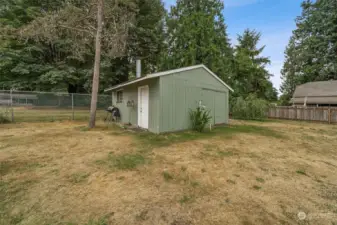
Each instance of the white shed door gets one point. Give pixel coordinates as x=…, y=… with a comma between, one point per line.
x=143, y=107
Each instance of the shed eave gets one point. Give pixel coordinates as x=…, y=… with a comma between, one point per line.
x=127, y=83
x=154, y=75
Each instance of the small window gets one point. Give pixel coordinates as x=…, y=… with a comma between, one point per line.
x=119, y=96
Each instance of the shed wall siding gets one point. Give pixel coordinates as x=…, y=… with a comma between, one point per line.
x=130, y=114
x=181, y=92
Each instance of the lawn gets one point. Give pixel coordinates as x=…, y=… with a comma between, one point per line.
x=25, y=114
x=247, y=173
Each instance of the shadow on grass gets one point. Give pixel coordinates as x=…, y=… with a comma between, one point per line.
x=159, y=140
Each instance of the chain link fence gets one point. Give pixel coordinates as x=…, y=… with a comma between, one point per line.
x=26, y=106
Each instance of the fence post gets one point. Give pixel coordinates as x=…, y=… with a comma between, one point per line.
x=11, y=95
x=329, y=115
x=72, y=105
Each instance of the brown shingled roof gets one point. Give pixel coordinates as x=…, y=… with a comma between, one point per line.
x=316, y=89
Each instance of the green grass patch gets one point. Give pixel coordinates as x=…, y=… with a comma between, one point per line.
x=160, y=140
x=225, y=154
x=301, y=172
x=167, y=176
x=210, y=147
x=9, y=166
x=124, y=162
x=249, y=129
x=11, y=194
x=83, y=128
x=101, y=221
x=16, y=219
x=79, y=177
x=195, y=184
x=52, y=115
x=5, y=167
x=259, y=179
x=217, y=154
x=186, y=199
x=31, y=166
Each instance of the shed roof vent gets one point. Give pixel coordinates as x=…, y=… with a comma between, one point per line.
x=138, y=68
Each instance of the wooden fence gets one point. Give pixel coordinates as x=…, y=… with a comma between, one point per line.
x=321, y=114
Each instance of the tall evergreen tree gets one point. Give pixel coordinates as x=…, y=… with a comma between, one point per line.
x=145, y=42
x=22, y=62
x=38, y=64
x=251, y=75
x=196, y=34
x=290, y=72
x=311, y=52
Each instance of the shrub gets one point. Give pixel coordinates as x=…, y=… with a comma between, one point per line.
x=199, y=118
x=251, y=108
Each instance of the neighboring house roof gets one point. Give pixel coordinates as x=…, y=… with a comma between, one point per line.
x=315, y=100
x=154, y=75
x=316, y=89
x=320, y=92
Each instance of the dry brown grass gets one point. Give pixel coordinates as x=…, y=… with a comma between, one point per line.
x=61, y=173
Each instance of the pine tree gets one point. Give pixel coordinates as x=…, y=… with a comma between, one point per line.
x=41, y=64
x=251, y=75
x=311, y=52
x=196, y=34
x=23, y=62
x=290, y=72
x=145, y=42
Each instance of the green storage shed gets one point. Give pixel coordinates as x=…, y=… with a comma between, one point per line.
x=161, y=102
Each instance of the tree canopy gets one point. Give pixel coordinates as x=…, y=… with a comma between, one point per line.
x=251, y=75
x=40, y=57
x=191, y=32
x=311, y=52
x=196, y=34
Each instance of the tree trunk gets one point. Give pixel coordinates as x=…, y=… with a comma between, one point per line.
x=95, y=80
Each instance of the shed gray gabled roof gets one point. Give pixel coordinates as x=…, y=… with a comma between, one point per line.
x=316, y=89
x=154, y=75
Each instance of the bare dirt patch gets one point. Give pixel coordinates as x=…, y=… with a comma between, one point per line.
x=249, y=173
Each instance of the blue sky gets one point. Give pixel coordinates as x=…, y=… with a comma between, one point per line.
x=275, y=19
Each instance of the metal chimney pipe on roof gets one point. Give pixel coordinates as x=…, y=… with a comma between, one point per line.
x=138, y=68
